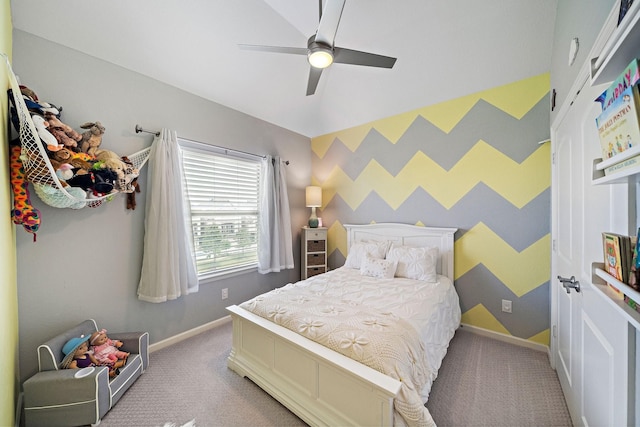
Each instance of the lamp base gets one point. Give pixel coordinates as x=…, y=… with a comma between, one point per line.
x=313, y=219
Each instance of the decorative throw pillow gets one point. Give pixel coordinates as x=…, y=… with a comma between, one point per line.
x=415, y=263
x=359, y=250
x=376, y=267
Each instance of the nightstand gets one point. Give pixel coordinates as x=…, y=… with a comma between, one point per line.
x=313, y=251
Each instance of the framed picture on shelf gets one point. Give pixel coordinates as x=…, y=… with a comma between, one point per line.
x=625, y=5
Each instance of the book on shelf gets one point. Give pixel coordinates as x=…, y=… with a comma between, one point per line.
x=621, y=259
x=627, y=78
x=625, y=164
x=612, y=255
x=614, y=262
x=618, y=125
x=632, y=280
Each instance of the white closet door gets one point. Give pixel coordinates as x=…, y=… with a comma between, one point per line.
x=590, y=339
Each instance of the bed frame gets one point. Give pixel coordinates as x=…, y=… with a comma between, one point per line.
x=323, y=387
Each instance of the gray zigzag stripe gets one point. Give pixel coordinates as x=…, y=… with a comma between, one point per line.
x=514, y=138
x=518, y=227
x=530, y=312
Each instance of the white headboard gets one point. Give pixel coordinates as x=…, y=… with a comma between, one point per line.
x=410, y=235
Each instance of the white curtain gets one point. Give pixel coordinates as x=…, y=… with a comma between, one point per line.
x=168, y=265
x=275, y=251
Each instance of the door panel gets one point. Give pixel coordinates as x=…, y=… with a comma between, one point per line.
x=567, y=205
x=597, y=365
x=591, y=340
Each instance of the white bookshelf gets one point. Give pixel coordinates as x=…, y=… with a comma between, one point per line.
x=601, y=280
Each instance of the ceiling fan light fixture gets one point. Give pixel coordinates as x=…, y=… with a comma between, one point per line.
x=320, y=56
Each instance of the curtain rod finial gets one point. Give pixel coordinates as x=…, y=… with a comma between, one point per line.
x=139, y=129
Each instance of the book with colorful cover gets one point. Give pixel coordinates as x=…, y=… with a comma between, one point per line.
x=627, y=78
x=612, y=255
x=632, y=280
x=618, y=125
x=625, y=256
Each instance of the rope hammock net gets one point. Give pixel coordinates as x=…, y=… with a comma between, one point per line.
x=38, y=168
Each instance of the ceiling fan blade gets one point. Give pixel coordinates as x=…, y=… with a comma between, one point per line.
x=329, y=21
x=275, y=49
x=356, y=57
x=314, y=78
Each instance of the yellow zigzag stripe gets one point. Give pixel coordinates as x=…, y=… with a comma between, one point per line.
x=518, y=183
x=337, y=238
x=543, y=337
x=521, y=272
x=515, y=99
x=482, y=318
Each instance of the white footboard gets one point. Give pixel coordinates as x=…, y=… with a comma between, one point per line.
x=322, y=387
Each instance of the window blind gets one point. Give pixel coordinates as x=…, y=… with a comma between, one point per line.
x=223, y=194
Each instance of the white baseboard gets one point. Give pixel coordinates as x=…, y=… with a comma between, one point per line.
x=188, y=334
x=506, y=338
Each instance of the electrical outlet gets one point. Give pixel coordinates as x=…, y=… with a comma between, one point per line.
x=225, y=293
x=506, y=306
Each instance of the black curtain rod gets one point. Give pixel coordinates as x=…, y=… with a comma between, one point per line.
x=139, y=129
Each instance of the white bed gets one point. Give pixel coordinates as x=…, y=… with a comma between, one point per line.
x=324, y=386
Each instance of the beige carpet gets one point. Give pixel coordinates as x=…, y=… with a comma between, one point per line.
x=482, y=382
x=485, y=382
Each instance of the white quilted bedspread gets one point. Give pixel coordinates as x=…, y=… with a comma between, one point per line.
x=400, y=327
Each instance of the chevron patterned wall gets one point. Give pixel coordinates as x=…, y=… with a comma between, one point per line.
x=474, y=163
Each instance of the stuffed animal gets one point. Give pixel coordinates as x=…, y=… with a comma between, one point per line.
x=44, y=134
x=131, y=197
x=28, y=93
x=65, y=134
x=64, y=155
x=107, y=350
x=125, y=171
x=23, y=212
x=92, y=138
x=35, y=106
x=65, y=172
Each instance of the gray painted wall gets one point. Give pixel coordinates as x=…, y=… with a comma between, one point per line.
x=574, y=18
x=86, y=263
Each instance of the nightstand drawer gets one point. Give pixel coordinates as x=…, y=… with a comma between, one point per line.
x=315, y=259
x=316, y=245
x=316, y=234
x=314, y=271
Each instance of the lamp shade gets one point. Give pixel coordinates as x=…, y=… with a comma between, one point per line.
x=314, y=196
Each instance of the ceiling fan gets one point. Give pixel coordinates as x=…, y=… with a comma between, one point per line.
x=320, y=50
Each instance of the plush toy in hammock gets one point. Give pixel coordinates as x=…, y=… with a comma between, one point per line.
x=23, y=212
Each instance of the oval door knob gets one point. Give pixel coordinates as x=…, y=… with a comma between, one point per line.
x=570, y=283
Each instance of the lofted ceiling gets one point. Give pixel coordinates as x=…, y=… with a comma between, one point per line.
x=445, y=49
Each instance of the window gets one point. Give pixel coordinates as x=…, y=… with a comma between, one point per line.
x=222, y=189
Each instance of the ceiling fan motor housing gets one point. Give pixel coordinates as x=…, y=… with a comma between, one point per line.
x=320, y=55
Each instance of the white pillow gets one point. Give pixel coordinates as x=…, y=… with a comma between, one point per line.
x=359, y=250
x=376, y=267
x=415, y=263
